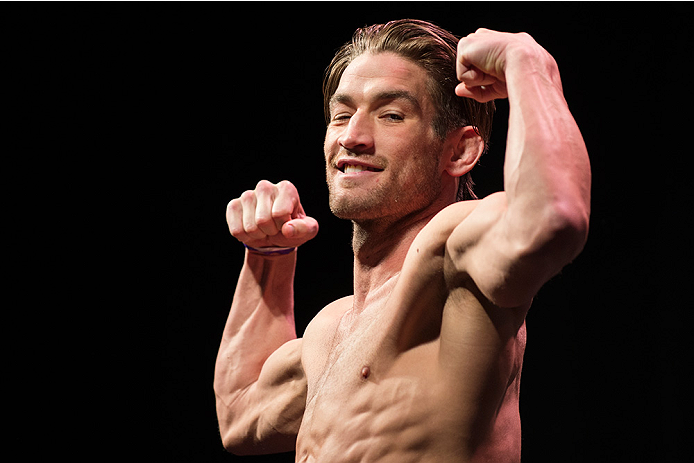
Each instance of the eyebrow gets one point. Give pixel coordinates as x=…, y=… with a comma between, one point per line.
x=384, y=96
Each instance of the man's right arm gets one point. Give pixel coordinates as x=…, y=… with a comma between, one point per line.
x=259, y=382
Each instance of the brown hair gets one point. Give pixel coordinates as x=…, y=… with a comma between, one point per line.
x=432, y=48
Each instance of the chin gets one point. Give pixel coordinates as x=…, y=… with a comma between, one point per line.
x=349, y=211
x=379, y=203
x=357, y=209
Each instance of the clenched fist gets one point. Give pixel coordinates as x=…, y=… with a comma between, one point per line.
x=485, y=59
x=270, y=215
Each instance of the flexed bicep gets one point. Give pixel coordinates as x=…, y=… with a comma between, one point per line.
x=508, y=265
x=483, y=251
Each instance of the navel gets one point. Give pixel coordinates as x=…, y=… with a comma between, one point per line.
x=365, y=372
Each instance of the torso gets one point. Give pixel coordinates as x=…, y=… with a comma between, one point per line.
x=427, y=370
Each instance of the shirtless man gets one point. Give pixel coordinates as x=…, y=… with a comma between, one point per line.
x=422, y=363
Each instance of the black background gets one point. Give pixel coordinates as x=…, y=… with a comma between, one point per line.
x=184, y=106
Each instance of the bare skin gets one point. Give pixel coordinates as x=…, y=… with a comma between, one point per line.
x=442, y=369
x=422, y=363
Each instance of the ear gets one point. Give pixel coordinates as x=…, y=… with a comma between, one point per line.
x=465, y=146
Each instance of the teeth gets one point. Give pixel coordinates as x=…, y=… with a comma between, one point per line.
x=351, y=169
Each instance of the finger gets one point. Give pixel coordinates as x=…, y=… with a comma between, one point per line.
x=234, y=215
x=286, y=205
x=248, y=201
x=472, y=76
x=463, y=63
x=265, y=193
x=482, y=93
x=464, y=91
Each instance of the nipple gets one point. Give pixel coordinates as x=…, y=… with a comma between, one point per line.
x=365, y=372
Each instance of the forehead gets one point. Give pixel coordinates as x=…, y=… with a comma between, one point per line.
x=371, y=74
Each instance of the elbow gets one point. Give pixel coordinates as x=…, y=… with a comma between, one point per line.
x=230, y=442
x=242, y=440
x=233, y=426
x=575, y=223
x=566, y=230
x=232, y=445
x=235, y=442
x=554, y=237
x=235, y=448
x=230, y=439
x=243, y=432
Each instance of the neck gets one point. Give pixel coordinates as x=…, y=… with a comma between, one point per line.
x=380, y=248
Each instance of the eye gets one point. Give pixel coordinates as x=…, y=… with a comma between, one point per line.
x=393, y=117
x=341, y=117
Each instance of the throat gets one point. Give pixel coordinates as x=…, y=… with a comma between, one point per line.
x=380, y=252
x=376, y=239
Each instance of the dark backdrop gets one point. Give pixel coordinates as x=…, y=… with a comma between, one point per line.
x=191, y=104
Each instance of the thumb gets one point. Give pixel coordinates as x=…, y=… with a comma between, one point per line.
x=301, y=229
x=462, y=90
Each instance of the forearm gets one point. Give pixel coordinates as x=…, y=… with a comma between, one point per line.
x=546, y=169
x=261, y=319
x=259, y=382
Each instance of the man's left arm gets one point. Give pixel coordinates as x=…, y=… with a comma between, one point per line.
x=515, y=241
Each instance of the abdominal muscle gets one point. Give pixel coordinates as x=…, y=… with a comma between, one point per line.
x=377, y=418
x=404, y=410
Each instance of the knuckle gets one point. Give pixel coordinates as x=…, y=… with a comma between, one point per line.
x=283, y=208
x=264, y=186
x=262, y=220
x=233, y=205
x=236, y=232
x=247, y=195
x=286, y=185
x=250, y=228
x=461, y=44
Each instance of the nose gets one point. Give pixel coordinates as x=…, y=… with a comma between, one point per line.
x=357, y=136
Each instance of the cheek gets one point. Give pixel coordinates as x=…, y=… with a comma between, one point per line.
x=422, y=146
x=330, y=144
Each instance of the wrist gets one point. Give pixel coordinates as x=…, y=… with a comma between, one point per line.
x=524, y=63
x=270, y=251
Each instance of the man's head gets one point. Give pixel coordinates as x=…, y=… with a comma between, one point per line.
x=434, y=50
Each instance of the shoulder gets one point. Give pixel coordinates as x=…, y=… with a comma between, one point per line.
x=461, y=220
x=477, y=220
x=283, y=364
x=329, y=315
x=459, y=213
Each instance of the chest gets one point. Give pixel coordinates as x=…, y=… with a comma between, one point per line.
x=397, y=325
x=347, y=354
x=361, y=363
x=365, y=381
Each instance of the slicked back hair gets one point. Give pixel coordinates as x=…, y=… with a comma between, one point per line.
x=435, y=50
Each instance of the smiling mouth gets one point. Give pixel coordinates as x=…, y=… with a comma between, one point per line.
x=351, y=168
